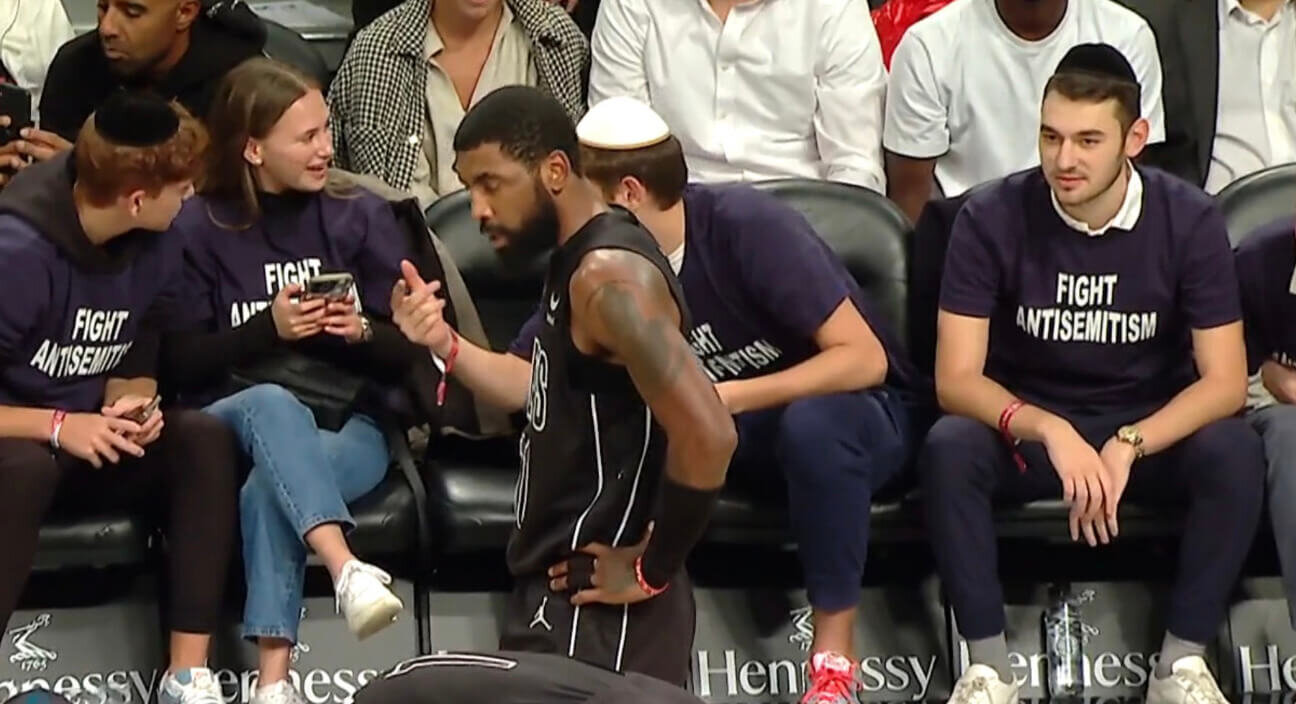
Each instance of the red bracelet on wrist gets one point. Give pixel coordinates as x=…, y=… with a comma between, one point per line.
x=647, y=588
x=449, y=365
x=1004, y=419
x=56, y=425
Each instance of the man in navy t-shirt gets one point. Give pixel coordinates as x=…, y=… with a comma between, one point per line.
x=1076, y=298
x=90, y=281
x=821, y=395
x=1266, y=270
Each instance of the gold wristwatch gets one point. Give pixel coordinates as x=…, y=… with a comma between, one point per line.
x=1130, y=435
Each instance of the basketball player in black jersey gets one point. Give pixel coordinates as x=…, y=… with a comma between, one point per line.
x=513, y=678
x=626, y=442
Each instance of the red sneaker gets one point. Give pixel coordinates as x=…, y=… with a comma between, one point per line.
x=832, y=680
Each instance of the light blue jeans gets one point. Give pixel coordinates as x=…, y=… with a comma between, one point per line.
x=302, y=477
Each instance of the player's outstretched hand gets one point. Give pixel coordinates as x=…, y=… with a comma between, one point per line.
x=613, y=580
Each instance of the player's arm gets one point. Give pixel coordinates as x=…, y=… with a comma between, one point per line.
x=499, y=379
x=1219, y=391
x=850, y=358
x=622, y=305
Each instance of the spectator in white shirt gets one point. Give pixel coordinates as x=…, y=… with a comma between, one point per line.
x=966, y=82
x=31, y=31
x=1230, y=86
x=754, y=90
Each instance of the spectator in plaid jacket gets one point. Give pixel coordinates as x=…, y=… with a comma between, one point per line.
x=410, y=76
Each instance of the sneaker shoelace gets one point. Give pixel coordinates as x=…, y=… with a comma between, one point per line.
x=194, y=694
x=831, y=687
x=346, y=584
x=1201, y=688
x=968, y=689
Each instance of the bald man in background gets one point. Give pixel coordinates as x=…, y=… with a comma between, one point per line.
x=179, y=49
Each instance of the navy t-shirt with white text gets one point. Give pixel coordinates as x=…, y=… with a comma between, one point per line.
x=1090, y=324
x=64, y=330
x=1266, y=271
x=759, y=283
x=233, y=274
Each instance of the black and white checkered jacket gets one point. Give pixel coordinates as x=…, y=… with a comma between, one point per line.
x=378, y=98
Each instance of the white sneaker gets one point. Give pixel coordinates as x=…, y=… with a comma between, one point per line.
x=1190, y=682
x=195, y=685
x=280, y=692
x=363, y=596
x=980, y=684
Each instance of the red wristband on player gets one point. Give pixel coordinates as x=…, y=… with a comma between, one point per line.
x=449, y=365
x=1004, y=419
x=56, y=425
x=647, y=588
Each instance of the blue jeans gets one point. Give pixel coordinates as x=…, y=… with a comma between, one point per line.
x=302, y=477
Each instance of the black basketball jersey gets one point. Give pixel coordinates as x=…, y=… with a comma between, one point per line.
x=592, y=454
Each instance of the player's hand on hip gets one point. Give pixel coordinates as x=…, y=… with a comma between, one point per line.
x=1085, y=485
x=1118, y=459
x=613, y=580
x=297, y=319
x=98, y=438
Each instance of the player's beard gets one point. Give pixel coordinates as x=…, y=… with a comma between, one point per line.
x=537, y=235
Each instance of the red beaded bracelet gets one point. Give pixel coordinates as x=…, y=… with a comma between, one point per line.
x=449, y=365
x=647, y=588
x=56, y=425
x=1004, y=419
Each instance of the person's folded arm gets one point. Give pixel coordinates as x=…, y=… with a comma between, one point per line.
x=850, y=358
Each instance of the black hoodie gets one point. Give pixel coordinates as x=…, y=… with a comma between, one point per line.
x=79, y=79
x=73, y=310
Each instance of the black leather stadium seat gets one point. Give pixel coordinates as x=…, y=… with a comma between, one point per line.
x=107, y=540
x=289, y=47
x=869, y=233
x=1258, y=199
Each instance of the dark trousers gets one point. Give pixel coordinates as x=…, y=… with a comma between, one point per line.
x=1217, y=473
x=188, y=476
x=832, y=452
x=653, y=637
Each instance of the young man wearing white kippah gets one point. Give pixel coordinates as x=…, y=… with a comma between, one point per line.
x=822, y=397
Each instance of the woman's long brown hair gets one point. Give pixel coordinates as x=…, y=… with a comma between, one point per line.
x=248, y=103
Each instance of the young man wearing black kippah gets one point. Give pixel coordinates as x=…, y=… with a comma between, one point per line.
x=89, y=283
x=1076, y=299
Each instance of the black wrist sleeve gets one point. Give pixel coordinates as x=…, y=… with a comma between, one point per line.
x=683, y=513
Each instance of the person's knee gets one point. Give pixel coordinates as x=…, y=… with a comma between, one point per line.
x=945, y=460
x=28, y=471
x=855, y=427
x=1226, y=459
x=200, y=445
x=268, y=397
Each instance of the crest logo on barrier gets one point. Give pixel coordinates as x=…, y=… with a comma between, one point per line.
x=803, y=627
x=29, y=656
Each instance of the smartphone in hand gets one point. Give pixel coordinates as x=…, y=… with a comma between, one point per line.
x=330, y=287
x=143, y=413
x=16, y=104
